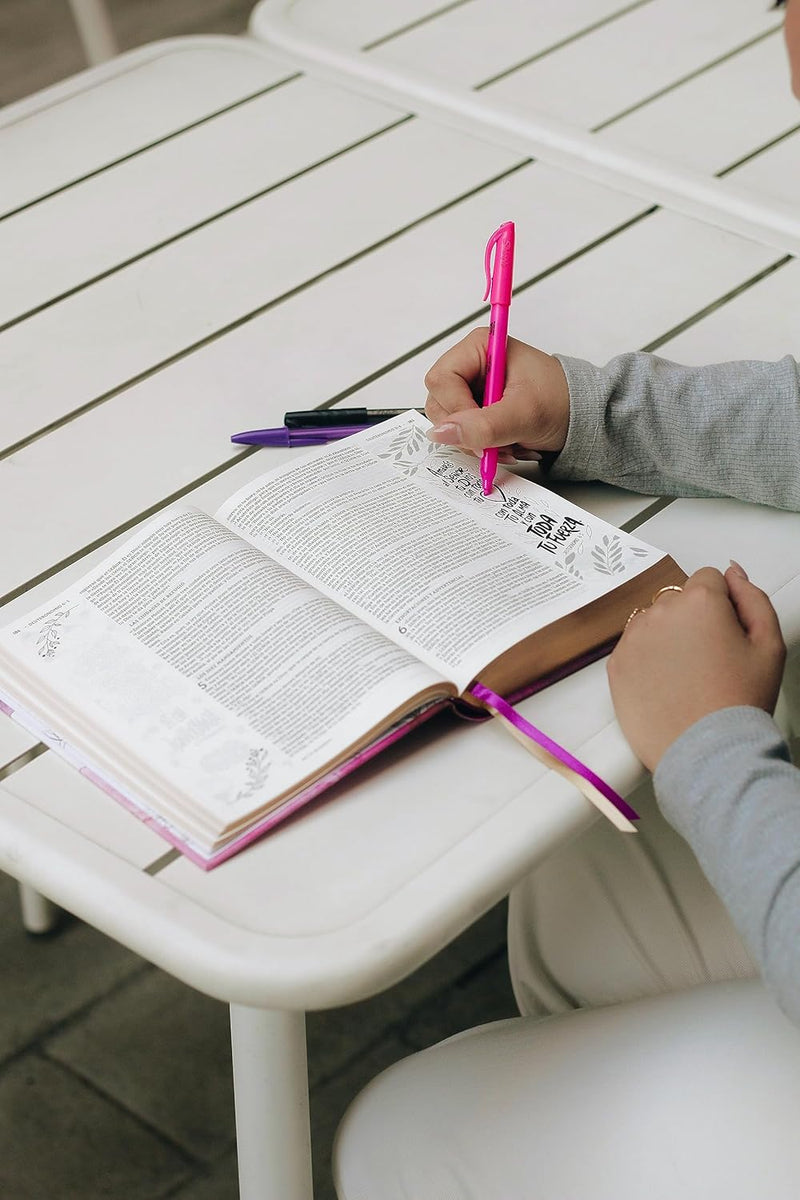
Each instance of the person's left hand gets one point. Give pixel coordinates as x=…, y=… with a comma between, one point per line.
x=716, y=644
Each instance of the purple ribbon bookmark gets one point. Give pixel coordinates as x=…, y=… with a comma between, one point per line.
x=595, y=789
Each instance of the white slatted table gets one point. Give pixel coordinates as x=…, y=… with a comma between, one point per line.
x=186, y=259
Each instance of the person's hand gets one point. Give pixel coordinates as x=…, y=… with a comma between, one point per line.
x=531, y=416
x=716, y=644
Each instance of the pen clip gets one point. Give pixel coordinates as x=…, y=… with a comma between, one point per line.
x=499, y=272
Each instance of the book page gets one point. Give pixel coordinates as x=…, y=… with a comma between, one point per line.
x=399, y=531
x=219, y=669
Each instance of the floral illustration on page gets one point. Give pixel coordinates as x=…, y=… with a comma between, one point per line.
x=408, y=450
x=48, y=638
x=256, y=767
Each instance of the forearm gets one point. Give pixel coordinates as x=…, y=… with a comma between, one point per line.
x=727, y=785
x=730, y=429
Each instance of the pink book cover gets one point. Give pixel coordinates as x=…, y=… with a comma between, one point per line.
x=210, y=859
x=195, y=853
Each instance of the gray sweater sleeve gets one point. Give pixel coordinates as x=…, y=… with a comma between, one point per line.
x=644, y=423
x=727, y=785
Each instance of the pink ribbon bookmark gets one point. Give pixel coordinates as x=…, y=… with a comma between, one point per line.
x=595, y=789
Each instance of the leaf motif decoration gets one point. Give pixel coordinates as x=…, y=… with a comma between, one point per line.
x=607, y=556
x=257, y=773
x=49, y=637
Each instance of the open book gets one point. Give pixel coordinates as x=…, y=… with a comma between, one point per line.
x=216, y=673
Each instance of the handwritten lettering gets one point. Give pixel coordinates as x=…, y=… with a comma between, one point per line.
x=555, y=538
x=452, y=475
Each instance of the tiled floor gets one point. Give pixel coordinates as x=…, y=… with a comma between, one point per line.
x=115, y=1080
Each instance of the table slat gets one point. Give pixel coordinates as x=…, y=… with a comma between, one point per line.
x=122, y=107
x=470, y=43
x=181, y=406
x=157, y=195
x=14, y=742
x=776, y=172
x=760, y=322
x=52, y=786
x=159, y=306
x=744, y=101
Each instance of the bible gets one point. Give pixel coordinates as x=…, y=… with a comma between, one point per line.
x=216, y=673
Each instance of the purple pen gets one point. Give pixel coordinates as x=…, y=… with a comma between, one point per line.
x=296, y=437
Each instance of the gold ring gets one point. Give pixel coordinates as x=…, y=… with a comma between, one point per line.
x=631, y=616
x=671, y=587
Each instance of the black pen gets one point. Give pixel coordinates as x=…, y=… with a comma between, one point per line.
x=325, y=418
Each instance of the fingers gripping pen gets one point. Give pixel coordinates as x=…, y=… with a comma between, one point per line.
x=499, y=275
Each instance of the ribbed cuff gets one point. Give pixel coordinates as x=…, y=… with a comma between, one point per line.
x=586, y=407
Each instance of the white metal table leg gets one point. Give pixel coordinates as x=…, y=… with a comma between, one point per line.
x=270, y=1083
x=39, y=915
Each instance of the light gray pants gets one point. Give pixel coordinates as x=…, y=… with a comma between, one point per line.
x=693, y=1095
x=616, y=917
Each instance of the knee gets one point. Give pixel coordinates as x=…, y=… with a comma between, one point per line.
x=442, y=1123
x=384, y=1145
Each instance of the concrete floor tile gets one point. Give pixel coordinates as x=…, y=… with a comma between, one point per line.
x=221, y=1184
x=47, y=979
x=328, y=1103
x=162, y=1050
x=61, y=1141
x=337, y=1035
x=40, y=45
x=482, y=995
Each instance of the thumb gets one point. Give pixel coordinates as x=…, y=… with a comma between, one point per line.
x=753, y=607
x=505, y=423
x=479, y=428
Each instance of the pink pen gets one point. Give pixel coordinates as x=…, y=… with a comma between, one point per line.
x=498, y=282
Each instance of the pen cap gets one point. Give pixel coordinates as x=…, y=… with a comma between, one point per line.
x=499, y=273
